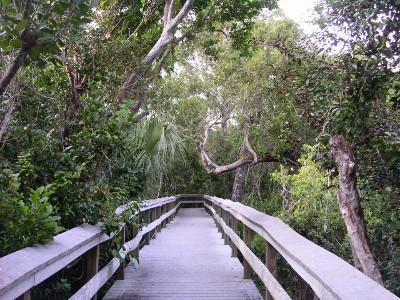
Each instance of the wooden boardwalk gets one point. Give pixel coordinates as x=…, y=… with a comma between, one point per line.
x=187, y=260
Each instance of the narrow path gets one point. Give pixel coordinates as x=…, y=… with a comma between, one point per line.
x=187, y=260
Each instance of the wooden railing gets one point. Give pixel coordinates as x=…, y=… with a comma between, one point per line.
x=329, y=276
x=22, y=270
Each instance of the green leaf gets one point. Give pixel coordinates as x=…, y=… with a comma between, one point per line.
x=4, y=44
x=59, y=9
x=66, y=4
x=21, y=26
x=24, y=210
x=16, y=43
x=4, y=3
x=83, y=8
x=86, y=20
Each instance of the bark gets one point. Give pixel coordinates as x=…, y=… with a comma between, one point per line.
x=12, y=70
x=78, y=85
x=238, y=184
x=7, y=117
x=350, y=207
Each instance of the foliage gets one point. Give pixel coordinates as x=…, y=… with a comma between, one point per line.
x=364, y=27
x=41, y=25
x=26, y=218
x=154, y=143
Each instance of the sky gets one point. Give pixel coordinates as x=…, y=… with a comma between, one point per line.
x=300, y=11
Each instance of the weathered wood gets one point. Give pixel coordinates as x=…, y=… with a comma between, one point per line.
x=329, y=276
x=302, y=289
x=225, y=236
x=187, y=261
x=121, y=269
x=92, y=264
x=259, y=268
x=22, y=270
x=153, y=217
x=247, y=241
x=25, y=296
x=94, y=284
x=271, y=264
x=234, y=227
x=147, y=237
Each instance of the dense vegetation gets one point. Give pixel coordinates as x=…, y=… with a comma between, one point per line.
x=106, y=103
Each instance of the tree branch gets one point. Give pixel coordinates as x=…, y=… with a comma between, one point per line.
x=248, y=147
x=217, y=169
x=140, y=116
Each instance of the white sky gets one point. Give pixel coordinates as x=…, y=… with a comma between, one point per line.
x=300, y=11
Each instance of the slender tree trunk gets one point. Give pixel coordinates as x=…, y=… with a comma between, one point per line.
x=78, y=86
x=12, y=70
x=170, y=26
x=28, y=41
x=240, y=178
x=7, y=117
x=238, y=184
x=349, y=203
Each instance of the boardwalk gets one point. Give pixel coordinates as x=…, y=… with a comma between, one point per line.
x=187, y=260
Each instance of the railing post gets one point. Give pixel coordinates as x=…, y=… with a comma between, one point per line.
x=225, y=218
x=135, y=231
x=147, y=237
x=168, y=209
x=154, y=217
x=234, y=227
x=218, y=210
x=25, y=296
x=162, y=212
x=303, y=290
x=92, y=264
x=158, y=216
x=247, y=241
x=120, y=271
x=271, y=264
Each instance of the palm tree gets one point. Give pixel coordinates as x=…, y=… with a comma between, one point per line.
x=154, y=143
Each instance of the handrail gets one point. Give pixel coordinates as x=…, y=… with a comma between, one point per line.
x=26, y=268
x=329, y=276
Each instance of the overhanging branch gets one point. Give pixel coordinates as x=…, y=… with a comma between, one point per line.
x=213, y=168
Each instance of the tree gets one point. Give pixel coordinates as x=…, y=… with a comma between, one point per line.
x=32, y=31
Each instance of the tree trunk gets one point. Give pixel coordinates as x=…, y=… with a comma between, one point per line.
x=7, y=117
x=12, y=70
x=238, y=184
x=349, y=203
x=170, y=26
x=240, y=178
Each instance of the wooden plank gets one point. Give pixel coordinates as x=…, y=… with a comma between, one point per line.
x=271, y=264
x=247, y=241
x=22, y=270
x=234, y=227
x=188, y=260
x=95, y=283
x=92, y=264
x=121, y=270
x=25, y=296
x=266, y=277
